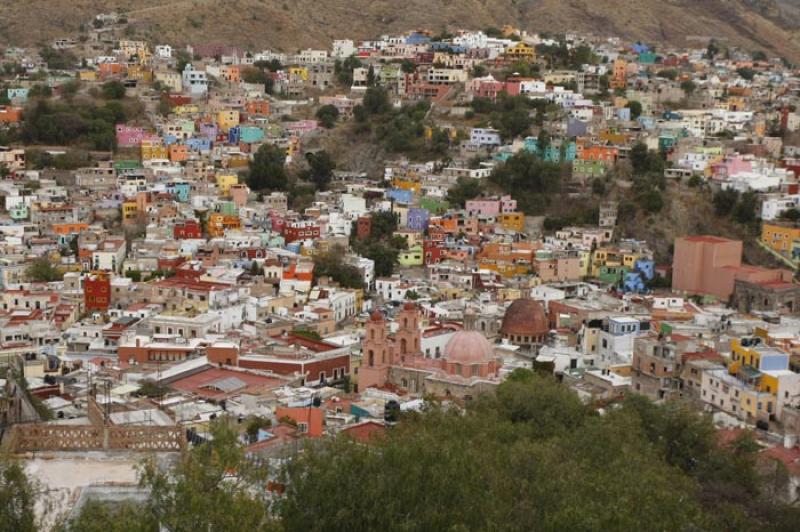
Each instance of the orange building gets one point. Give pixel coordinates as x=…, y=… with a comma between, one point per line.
x=178, y=153
x=110, y=70
x=604, y=154
x=10, y=115
x=257, y=108
x=69, y=228
x=309, y=420
x=218, y=224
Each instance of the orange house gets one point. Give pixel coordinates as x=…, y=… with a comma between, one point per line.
x=10, y=115
x=231, y=73
x=309, y=420
x=69, y=228
x=447, y=225
x=110, y=70
x=178, y=153
x=606, y=154
x=257, y=108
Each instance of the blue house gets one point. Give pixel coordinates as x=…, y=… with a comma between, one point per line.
x=400, y=195
x=199, y=144
x=18, y=95
x=180, y=190
x=417, y=38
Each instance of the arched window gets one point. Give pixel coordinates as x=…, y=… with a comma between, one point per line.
x=371, y=358
x=403, y=346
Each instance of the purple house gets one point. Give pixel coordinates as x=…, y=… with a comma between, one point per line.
x=209, y=131
x=418, y=219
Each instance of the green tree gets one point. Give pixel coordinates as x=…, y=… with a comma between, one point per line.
x=268, y=169
x=327, y=116
x=213, y=487
x=636, y=109
x=724, y=201
x=321, y=167
x=745, y=210
x=746, y=73
x=376, y=101
x=466, y=188
x=113, y=90
x=528, y=179
x=17, y=498
x=123, y=516
x=688, y=87
x=42, y=270
x=254, y=75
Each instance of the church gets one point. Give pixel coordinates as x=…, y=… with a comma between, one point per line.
x=467, y=368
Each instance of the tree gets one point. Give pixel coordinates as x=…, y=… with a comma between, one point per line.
x=745, y=210
x=267, y=169
x=254, y=75
x=376, y=101
x=407, y=66
x=321, y=167
x=688, y=87
x=566, y=468
x=724, y=201
x=528, y=179
x=42, y=270
x=213, y=487
x=327, y=115
x=759, y=55
x=636, y=109
x=746, y=73
x=466, y=188
x=371, y=76
x=113, y=90
x=17, y=498
x=331, y=264
x=651, y=201
x=117, y=516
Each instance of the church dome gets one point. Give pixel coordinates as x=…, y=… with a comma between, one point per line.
x=467, y=348
x=525, y=317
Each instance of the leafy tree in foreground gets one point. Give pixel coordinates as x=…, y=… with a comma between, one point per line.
x=17, y=498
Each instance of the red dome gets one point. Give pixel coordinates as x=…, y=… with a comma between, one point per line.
x=376, y=316
x=525, y=317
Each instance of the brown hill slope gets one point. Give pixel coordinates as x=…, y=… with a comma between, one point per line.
x=290, y=24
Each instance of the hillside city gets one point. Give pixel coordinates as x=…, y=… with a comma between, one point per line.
x=356, y=273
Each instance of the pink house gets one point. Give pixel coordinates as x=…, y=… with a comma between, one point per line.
x=730, y=166
x=129, y=136
x=490, y=206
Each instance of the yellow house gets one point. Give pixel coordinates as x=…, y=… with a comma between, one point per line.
x=140, y=73
x=225, y=181
x=756, y=403
x=298, y=72
x=513, y=221
x=187, y=109
x=87, y=75
x=407, y=184
x=129, y=210
x=520, y=52
x=227, y=119
x=154, y=149
x=779, y=237
x=584, y=262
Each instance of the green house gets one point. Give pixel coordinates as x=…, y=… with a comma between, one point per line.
x=411, y=257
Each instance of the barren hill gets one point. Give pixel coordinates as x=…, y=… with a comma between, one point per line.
x=771, y=25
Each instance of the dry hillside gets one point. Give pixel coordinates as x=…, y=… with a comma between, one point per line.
x=291, y=24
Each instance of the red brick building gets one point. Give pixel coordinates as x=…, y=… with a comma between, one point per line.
x=97, y=291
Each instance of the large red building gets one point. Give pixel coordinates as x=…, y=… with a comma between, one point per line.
x=187, y=229
x=302, y=230
x=97, y=291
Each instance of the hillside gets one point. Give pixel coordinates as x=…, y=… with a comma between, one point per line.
x=754, y=24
